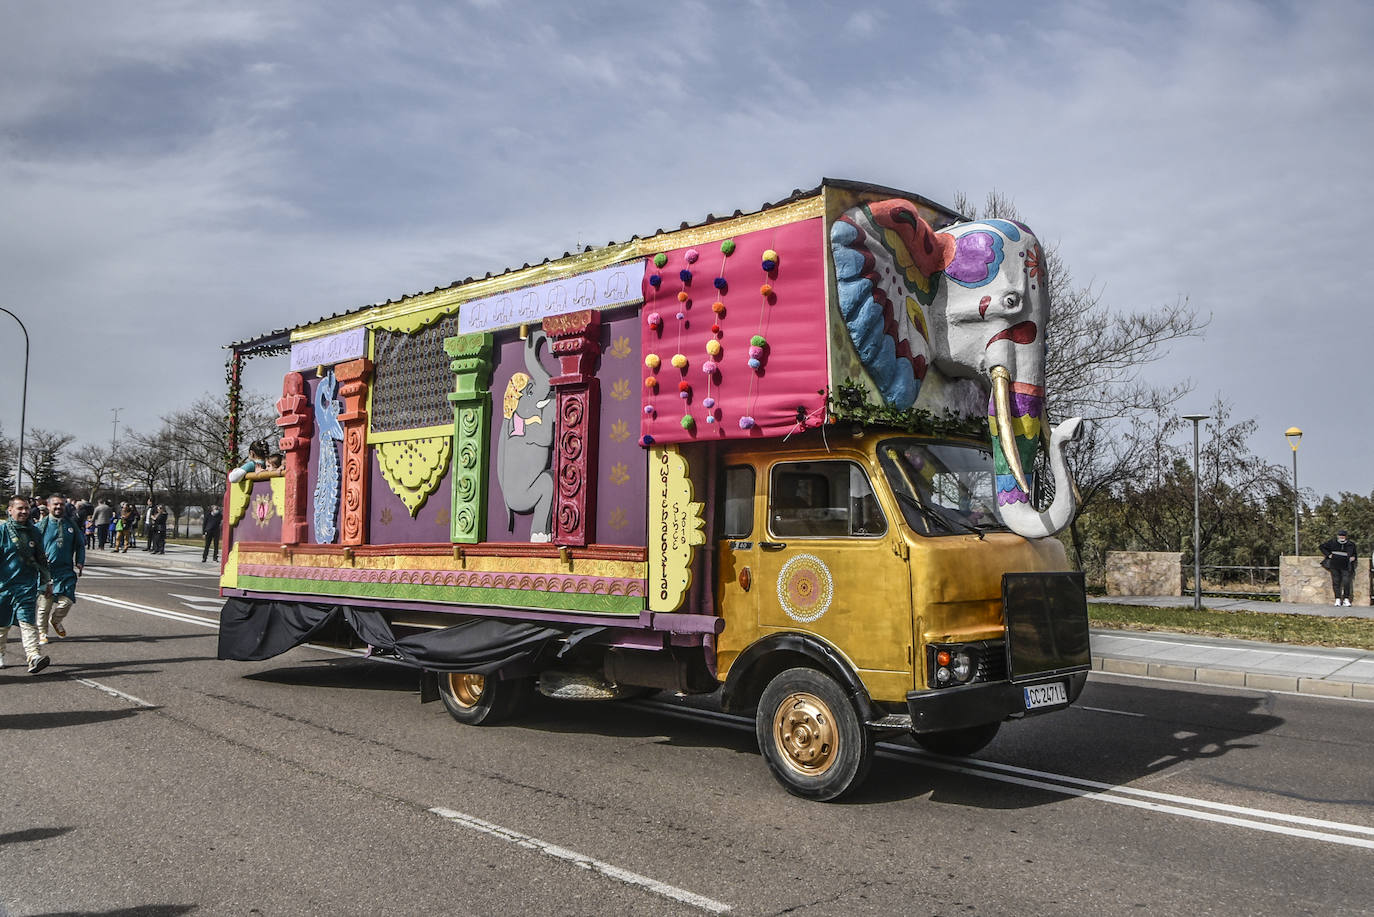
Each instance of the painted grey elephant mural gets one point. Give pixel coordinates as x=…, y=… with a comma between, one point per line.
x=525, y=448
x=942, y=315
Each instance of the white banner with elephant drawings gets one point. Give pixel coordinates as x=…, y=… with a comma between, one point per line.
x=618, y=285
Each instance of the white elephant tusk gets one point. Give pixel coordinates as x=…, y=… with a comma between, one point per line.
x=1001, y=396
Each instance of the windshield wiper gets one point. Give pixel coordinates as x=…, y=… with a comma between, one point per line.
x=939, y=518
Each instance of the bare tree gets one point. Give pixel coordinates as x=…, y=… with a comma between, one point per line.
x=144, y=458
x=43, y=460
x=199, y=433
x=96, y=463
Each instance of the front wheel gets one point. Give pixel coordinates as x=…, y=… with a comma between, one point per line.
x=480, y=700
x=811, y=735
x=958, y=742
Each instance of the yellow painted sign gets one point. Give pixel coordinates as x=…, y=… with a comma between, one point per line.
x=676, y=528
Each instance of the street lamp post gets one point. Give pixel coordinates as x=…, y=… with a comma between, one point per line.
x=23, y=403
x=1294, y=436
x=1197, y=526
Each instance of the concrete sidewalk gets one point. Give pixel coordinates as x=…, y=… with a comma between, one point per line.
x=1177, y=657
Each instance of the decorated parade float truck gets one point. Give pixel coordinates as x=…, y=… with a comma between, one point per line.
x=790, y=456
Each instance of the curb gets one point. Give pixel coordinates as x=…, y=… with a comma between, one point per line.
x=1234, y=678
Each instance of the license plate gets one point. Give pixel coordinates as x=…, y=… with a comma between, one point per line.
x=1048, y=695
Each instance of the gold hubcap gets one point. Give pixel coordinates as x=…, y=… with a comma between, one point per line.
x=467, y=687
x=804, y=731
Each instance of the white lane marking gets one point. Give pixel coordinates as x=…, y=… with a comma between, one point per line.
x=585, y=862
x=135, y=572
x=1152, y=794
x=1125, y=800
x=1107, y=710
x=1089, y=789
x=213, y=624
x=115, y=692
x=200, y=602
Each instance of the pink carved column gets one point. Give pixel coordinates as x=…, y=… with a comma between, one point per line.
x=576, y=341
x=353, y=379
x=297, y=424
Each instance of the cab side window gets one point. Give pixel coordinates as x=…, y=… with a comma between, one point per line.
x=829, y=499
x=739, y=502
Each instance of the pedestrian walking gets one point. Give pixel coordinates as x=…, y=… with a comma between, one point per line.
x=1339, y=556
x=210, y=527
x=23, y=571
x=65, y=547
x=101, y=517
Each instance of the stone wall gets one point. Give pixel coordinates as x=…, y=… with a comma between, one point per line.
x=1301, y=579
x=1144, y=573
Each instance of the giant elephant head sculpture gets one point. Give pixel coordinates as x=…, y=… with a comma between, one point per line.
x=969, y=302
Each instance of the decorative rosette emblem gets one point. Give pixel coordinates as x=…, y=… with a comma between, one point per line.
x=805, y=588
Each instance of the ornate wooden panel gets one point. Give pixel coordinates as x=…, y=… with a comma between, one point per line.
x=353, y=379
x=297, y=425
x=471, y=400
x=576, y=341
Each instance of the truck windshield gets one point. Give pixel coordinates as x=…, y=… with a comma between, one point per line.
x=943, y=488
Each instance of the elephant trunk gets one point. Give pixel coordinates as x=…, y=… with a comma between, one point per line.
x=1017, y=420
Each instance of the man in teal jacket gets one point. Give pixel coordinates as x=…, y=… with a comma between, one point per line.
x=64, y=543
x=23, y=571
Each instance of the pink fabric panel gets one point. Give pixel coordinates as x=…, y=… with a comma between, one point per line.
x=792, y=320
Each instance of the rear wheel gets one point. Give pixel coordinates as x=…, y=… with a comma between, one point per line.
x=811, y=735
x=480, y=700
x=958, y=742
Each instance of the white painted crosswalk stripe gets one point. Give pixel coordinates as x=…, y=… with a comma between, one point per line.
x=136, y=572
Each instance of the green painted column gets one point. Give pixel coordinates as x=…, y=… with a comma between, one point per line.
x=471, y=400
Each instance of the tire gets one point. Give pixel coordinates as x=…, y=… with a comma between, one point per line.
x=958, y=742
x=811, y=735
x=477, y=700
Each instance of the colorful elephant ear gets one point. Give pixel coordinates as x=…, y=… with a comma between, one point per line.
x=930, y=251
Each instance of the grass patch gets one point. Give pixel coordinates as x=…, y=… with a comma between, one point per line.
x=1304, y=630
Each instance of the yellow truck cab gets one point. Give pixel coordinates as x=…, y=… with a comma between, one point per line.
x=787, y=456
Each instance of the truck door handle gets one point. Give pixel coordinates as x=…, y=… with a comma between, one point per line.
x=772, y=545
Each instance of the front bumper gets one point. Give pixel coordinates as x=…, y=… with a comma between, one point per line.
x=940, y=710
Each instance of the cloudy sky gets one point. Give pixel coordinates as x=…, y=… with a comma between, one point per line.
x=175, y=176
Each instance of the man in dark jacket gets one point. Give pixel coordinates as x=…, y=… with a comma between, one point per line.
x=211, y=530
x=1340, y=553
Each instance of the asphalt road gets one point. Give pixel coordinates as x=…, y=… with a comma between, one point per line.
x=146, y=777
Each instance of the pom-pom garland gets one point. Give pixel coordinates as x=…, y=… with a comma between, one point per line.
x=755, y=351
x=654, y=320
x=649, y=409
x=766, y=289
x=660, y=259
x=651, y=382
x=713, y=348
x=715, y=329
x=680, y=361
x=708, y=403
x=755, y=363
x=653, y=362
x=687, y=422
x=757, y=341
x=682, y=297
x=646, y=440
x=684, y=386
x=770, y=260
x=692, y=256
x=655, y=280
x=681, y=316
x=746, y=422
x=727, y=248
x=685, y=275
x=720, y=284
x=709, y=367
